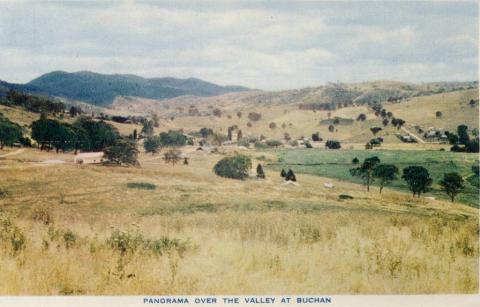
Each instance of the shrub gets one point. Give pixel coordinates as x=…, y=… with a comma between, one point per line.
x=290, y=176
x=236, y=167
x=172, y=156
x=308, y=145
x=273, y=143
x=260, y=145
x=260, y=172
x=272, y=125
x=252, y=116
x=141, y=185
x=69, y=238
x=316, y=137
x=344, y=196
x=355, y=160
x=42, y=215
x=283, y=174
x=332, y=144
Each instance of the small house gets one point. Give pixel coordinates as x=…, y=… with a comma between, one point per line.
x=89, y=158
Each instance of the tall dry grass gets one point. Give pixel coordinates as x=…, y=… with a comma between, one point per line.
x=247, y=252
x=200, y=234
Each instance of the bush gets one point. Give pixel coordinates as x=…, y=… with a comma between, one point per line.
x=332, y=144
x=252, y=116
x=236, y=167
x=260, y=145
x=355, y=160
x=260, y=172
x=344, y=196
x=141, y=185
x=273, y=143
x=290, y=176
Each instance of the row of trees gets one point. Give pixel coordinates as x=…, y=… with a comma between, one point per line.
x=417, y=177
x=34, y=104
x=10, y=132
x=461, y=141
x=172, y=138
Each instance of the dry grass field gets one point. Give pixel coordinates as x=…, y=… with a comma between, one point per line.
x=69, y=229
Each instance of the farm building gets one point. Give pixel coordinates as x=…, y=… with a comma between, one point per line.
x=89, y=158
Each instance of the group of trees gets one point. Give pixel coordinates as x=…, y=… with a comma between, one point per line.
x=333, y=144
x=461, y=141
x=10, y=132
x=172, y=138
x=417, y=177
x=33, y=103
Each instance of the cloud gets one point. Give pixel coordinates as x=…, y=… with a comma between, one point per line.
x=269, y=45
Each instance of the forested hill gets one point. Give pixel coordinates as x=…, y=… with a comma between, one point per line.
x=100, y=89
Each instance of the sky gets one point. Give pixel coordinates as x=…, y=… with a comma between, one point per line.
x=270, y=45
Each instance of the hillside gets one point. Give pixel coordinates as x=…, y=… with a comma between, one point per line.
x=100, y=89
x=178, y=113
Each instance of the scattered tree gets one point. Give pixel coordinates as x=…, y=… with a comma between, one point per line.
x=151, y=144
x=375, y=130
x=236, y=167
x=122, y=151
x=452, y=184
x=385, y=173
x=365, y=170
x=290, y=176
x=332, y=144
x=260, y=172
x=172, y=156
x=417, y=178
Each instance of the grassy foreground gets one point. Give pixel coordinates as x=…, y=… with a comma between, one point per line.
x=83, y=230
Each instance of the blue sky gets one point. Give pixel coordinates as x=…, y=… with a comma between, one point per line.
x=269, y=45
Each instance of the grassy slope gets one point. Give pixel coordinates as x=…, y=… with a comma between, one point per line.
x=336, y=164
x=249, y=237
x=418, y=110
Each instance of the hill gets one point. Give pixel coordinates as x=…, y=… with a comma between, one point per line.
x=101, y=89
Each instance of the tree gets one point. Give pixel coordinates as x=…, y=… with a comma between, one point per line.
x=316, y=137
x=452, y=184
x=463, y=137
x=331, y=128
x=239, y=135
x=172, y=156
x=134, y=135
x=10, y=132
x=173, y=138
x=438, y=114
x=385, y=173
x=361, y=117
x=148, y=127
x=283, y=174
x=472, y=146
x=332, y=144
x=122, y=151
x=385, y=122
x=365, y=170
x=417, y=178
x=97, y=134
x=355, y=160
x=272, y=125
x=236, y=167
x=290, y=176
x=151, y=144
x=239, y=114
x=452, y=138
x=260, y=172
x=156, y=120
x=375, y=130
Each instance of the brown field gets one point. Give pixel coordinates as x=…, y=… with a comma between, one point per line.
x=219, y=236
